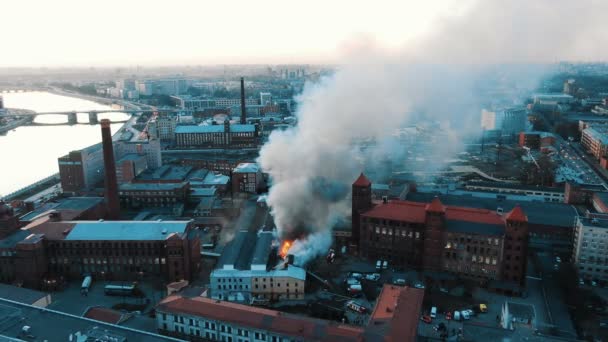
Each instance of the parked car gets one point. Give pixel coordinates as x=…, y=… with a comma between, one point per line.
x=457, y=316
x=434, y=312
x=399, y=282
x=372, y=276
x=443, y=290
x=385, y=265
x=426, y=319
x=593, y=283
x=355, y=275
x=419, y=285
x=379, y=265
x=480, y=308
x=356, y=307
x=581, y=281
x=466, y=314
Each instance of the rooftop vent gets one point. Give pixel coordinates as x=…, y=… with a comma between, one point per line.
x=499, y=211
x=100, y=220
x=164, y=231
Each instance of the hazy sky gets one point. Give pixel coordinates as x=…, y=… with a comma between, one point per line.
x=134, y=32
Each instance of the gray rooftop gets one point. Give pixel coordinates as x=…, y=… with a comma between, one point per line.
x=247, y=168
x=125, y=230
x=130, y=156
x=539, y=213
x=71, y=203
x=262, y=248
x=20, y=294
x=51, y=325
x=12, y=240
x=151, y=186
x=474, y=228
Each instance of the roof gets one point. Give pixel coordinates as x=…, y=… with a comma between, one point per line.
x=262, y=248
x=20, y=294
x=514, y=186
x=395, y=316
x=151, y=186
x=203, y=192
x=456, y=226
x=415, y=212
x=126, y=230
x=49, y=324
x=435, y=206
x=70, y=208
x=12, y=240
x=517, y=214
x=104, y=314
x=215, y=179
x=538, y=213
x=259, y=318
x=247, y=168
x=362, y=181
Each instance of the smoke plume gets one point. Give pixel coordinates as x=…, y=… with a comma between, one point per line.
x=436, y=83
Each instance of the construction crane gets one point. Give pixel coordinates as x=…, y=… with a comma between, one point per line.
x=531, y=156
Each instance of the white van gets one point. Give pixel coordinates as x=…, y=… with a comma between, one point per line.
x=379, y=265
x=457, y=315
x=433, y=312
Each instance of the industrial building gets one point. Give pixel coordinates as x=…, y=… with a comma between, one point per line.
x=247, y=177
x=217, y=136
x=394, y=318
x=250, y=270
x=480, y=244
x=48, y=249
x=81, y=169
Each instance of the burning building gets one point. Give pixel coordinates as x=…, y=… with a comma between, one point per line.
x=253, y=268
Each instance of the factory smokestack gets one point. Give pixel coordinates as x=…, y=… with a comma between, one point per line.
x=243, y=109
x=111, y=186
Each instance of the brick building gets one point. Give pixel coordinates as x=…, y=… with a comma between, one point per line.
x=247, y=177
x=124, y=250
x=82, y=169
x=478, y=244
x=137, y=195
x=394, y=318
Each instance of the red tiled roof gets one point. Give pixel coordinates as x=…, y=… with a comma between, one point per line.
x=517, y=214
x=396, y=315
x=104, y=315
x=308, y=328
x=399, y=211
x=415, y=212
x=435, y=206
x=362, y=181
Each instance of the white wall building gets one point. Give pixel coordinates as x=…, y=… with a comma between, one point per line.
x=591, y=248
x=508, y=120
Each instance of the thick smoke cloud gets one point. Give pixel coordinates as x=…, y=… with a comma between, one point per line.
x=434, y=80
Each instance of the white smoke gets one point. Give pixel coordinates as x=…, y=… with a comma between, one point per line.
x=434, y=80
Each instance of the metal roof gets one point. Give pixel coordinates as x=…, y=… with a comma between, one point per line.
x=474, y=227
x=238, y=128
x=247, y=168
x=125, y=230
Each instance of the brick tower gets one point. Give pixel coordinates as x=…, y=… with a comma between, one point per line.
x=515, y=246
x=362, y=201
x=433, y=234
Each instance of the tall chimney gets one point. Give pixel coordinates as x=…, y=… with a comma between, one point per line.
x=111, y=186
x=243, y=110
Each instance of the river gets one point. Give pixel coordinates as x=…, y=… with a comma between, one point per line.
x=30, y=153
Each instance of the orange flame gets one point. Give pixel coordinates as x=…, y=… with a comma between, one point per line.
x=285, y=248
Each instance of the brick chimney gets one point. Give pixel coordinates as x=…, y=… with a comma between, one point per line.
x=111, y=185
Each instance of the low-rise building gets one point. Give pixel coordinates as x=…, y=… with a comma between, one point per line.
x=250, y=269
x=81, y=169
x=247, y=177
x=394, y=318
x=595, y=141
x=591, y=248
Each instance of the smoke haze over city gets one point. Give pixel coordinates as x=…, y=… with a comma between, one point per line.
x=377, y=89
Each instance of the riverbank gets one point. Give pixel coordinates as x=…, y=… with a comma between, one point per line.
x=14, y=124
